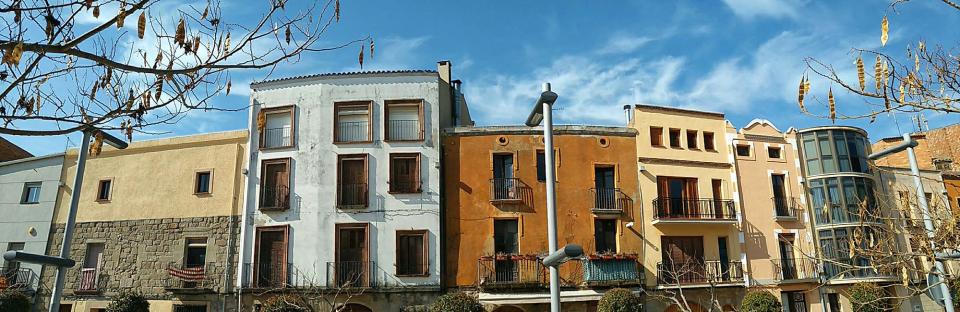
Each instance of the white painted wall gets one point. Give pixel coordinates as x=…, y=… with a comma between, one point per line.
x=28, y=223
x=313, y=213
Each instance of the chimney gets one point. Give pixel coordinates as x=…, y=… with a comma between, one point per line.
x=456, y=84
x=443, y=69
x=626, y=113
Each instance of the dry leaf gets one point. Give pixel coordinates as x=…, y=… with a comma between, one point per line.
x=800, y=94
x=229, y=84
x=142, y=25
x=206, y=10
x=860, y=74
x=884, y=28
x=360, y=57
x=96, y=12
x=287, y=34
x=261, y=121
x=336, y=10
x=15, y=55
x=181, y=32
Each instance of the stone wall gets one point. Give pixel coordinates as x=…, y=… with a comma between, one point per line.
x=137, y=254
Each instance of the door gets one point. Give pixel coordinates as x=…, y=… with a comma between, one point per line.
x=678, y=197
x=505, y=236
x=788, y=265
x=351, y=266
x=605, y=235
x=719, y=209
x=605, y=185
x=353, y=182
x=833, y=300
x=682, y=258
x=724, y=258
x=271, y=257
x=91, y=265
x=503, y=186
x=779, y=194
x=276, y=185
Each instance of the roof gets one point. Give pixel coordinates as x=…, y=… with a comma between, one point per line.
x=29, y=159
x=557, y=130
x=10, y=151
x=848, y=128
x=679, y=110
x=208, y=138
x=346, y=75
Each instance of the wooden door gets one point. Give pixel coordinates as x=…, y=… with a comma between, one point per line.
x=351, y=267
x=353, y=181
x=719, y=210
x=271, y=258
x=682, y=257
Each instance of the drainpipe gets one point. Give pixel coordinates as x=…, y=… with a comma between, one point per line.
x=242, y=207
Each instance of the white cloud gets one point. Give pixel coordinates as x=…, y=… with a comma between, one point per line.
x=624, y=43
x=764, y=8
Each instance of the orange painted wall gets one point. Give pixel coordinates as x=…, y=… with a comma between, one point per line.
x=469, y=213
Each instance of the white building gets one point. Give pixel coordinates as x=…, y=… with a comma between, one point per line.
x=344, y=190
x=28, y=194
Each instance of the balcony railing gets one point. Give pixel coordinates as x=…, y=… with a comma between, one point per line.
x=612, y=271
x=694, y=209
x=506, y=190
x=352, y=195
x=181, y=277
x=791, y=269
x=403, y=130
x=852, y=268
x=787, y=208
x=276, y=137
x=266, y=275
x=610, y=200
x=706, y=272
x=351, y=274
x=89, y=281
x=18, y=278
x=510, y=271
x=353, y=131
x=275, y=197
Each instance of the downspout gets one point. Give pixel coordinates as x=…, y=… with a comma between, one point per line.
x=245, y=187
x=230, y=243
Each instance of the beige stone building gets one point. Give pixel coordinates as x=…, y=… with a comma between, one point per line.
x=160, y=218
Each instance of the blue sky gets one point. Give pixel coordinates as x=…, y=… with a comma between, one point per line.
x=740, y=57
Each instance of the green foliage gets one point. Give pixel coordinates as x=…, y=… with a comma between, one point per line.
x=284, y=303
x=955, y=292
x=129, y=302
x=14, y=301
x=457, y=302
x=760, y=301
x=867, y=297
x=619, y=300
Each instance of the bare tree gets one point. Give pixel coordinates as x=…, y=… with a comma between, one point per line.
x=307, y=292
x=926, y=78
x=675, y=275
x=130, y=64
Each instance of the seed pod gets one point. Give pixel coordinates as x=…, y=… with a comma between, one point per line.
x=833, y=105
x=226, y=44
x=96, y=12
x=878, y=74
x=121, y=16
x=800, y=94
x=229, y=84
x=179, y=36
x=159, y=90
x=886, y=98
x=336, y=10
x=884, y=28
x=371, y=48
x=206, y=10
x=902, y=92
x=860, y=73
x=142, y=25
x=916, y=62
x=287, y=34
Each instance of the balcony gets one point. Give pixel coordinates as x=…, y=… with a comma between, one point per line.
x=190, y=279
x=510, y=271
x=404, y=130
x=276, y=138
x=275, y=197
x=853, y=269
x=89, y=281
x=610, y=201
x=18, y=278
x=507, y=191
x=794, y=270
x=352, y=195
x=711, y=272
x=787, y=208
x=265, y=275
x=836, y=214
x=615, y=270
x=351, y=274
x=703, y=210
x=353, y=131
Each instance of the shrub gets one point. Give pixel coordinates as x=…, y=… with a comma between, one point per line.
x=760, y=301
x=955, y=292
x=619, y=300
x=14, y=301
x=284, y=303
x=457, y=302
x=129, y=302
x=867, y=297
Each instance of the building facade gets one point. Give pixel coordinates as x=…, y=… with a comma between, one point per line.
x=937, y=150
x=495, y=214
x=28, y=196
x=160, y=217
x=344, y=187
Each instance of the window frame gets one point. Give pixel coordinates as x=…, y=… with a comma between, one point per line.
x=25, y=193
x=425, y=264
x=407, y=102
x=736, y=150
x=187, y=245
x=709, y=144
x=286, y=161
x=538, y=155
x=616, y=235
x=656, y=132
x=679, y=137
x=366, y=176
x=692, y=144
x=775, y=148
x=336, y=120
x=288, y=109
x=417, y=179
x=110, y=189
x=196, y=181
x=258, y=230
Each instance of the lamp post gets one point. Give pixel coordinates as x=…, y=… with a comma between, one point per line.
x=542, y=113
x=908, y=145
x=74, y=202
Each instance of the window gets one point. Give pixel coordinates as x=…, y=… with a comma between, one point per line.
x=195, y=252
x=270, y=256
x=743, y=150
x=505, y=236
x=605, y=235
x=352, y=122
x=504, y=186
x=833, y=300
x=692, y=139
x=541, y=166
x=352, y=181
x=795, y=301
x=773, y=152
x=413, y=257
x=404, y=120
x=656, y=136
x=104, y=190
x=276, y=130
x=202, y=182
x=31, y=193
x=275, y=184
x=943, y=164
x=708, y=141
x=405, y=173
x=189, y=308
x=675, y=138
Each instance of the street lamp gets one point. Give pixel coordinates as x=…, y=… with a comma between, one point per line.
x=74, y=202
x=542, y=113
x=908, y=144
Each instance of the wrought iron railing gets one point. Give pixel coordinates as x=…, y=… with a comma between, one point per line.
x=18, y=278
x=695, y=272
x=182, y=276
x=510, y=271
x=610, y=200
x=266, y=275
x=403, y=130
x=787, y=269
x=89, y=280
x=351, y=274
x=275, y=197
x=352, y=195
x=694, y=209
x=276, y=137
x=353, y=131
x=787, y=207
x=612, y=271
x=506, y=189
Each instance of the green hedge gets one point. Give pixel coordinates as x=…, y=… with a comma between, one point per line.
x=457, y=302
x=129, y=302
x=868, y=297
x=619, y=300
x=760, y=301
x=14, y=301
